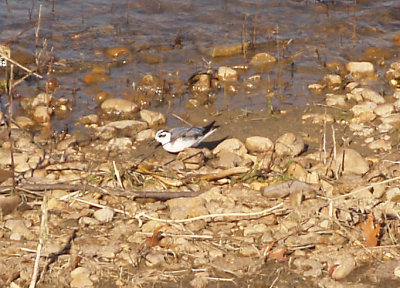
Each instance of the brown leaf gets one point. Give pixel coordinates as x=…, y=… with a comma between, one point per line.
x=332, y=269
x=155, y=239
x=278, y=254
x=370, y=231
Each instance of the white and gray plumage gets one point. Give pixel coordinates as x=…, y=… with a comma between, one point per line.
x=179, y=138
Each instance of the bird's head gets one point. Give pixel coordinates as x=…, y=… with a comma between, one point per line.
x=163, y=137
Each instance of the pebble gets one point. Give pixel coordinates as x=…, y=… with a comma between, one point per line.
x=289, y=144
x=115, y=52
x=233, y=145
x=393, y=194
x=335, y=100
x=227, y=74
x=145, y=135
x=181, y=208
x=152, y=118
x=384, y=109
x=122, y=143
x=104, y=215
x=42, y=114
x=353, y=162
x=363, y=107
x=332, y=81
x=192, y=158
x=118, y=106
x=344, y=267
x=397, y=271
x=203, y=83
x=258, y=144
x=80, y=278
x=364, y=117
x=224, y=50
x=42, y=99
x=370, y=95
x=151, y=85
x=262, y=59
x=19, y=230
x=360, y=69
x=93, y=78
x=316, y=87
x=24, y=122
x=89, y=119
x=393, y=119
x=397, y=105
x=227, y=159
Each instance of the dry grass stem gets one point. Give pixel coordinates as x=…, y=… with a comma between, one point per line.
x=117, y=175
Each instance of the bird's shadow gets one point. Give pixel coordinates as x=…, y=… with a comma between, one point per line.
x=211, y=144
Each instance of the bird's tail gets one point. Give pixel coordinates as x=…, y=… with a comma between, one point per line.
x=210, y=127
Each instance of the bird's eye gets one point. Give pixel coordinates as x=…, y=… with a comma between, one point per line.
x=162, y=135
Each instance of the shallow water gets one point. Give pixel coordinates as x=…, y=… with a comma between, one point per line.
x=315, y=32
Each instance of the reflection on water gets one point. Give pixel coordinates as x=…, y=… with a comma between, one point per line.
x=315, y=32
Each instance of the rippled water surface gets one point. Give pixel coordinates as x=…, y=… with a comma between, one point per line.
x=302, y=35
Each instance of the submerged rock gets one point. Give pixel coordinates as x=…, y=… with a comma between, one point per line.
x=118, y=106
x=227, y=74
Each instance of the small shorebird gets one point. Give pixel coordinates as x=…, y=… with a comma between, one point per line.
x=179, y=138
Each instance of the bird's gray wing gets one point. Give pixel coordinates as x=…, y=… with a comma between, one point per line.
x=186, y=132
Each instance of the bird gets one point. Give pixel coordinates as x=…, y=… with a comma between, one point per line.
x=179, y=138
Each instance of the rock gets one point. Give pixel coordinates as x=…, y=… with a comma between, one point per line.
x=19, y=230
x=104, y=215
x=393, y=74
x=202, y=84
x=258, y=144
x=227, y=159
x=224, y=50
x=115, y=52
x=89, y=119
x=364, y=117
x=350, y=161
x=396, y=105
x=370, y=95
x=80, y=278
x=297, y=171
x=384, y=109
x=145, y=135
x=181, y=208
x=55, y=204
x=397, y=271
x=289, y=144
x=262, y=59
x=284, y=189
x=93, y=78
x=154, y=259
x=24, y=122
x=393, y=194
x=227, y=74
x=126, y=124
x=152, y=118
x=118, y=106
x=42, y=99
x=309, y=267
x=332, y=81
x=252, y=82
x=318, y=118
x=380, y=144
x=360, y=69
x=192, y=158
x=42, y=114
x=102, y=96
x=335, y=100
x=151, y=85
x=122, y=143
x=231, y=145
x=316, y=87
x=343, y=267
x=384, y=127
x=393, y=119
x=363, y=107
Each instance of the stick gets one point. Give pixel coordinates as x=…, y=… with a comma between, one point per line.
x=20, y=65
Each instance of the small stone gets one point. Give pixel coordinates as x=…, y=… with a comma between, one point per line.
x=154, y=259
x=364, y=117
x=203, y=84
x=42, y=99
x=332, y=81
x=145, y=135
x=231, y=145
x=349, y=161
x=104, y=215
x=289, y=144
x=227, y=74
x=380, y=144
x=371, y=95
x=152, y=118
x=384, y=109
x=96, y=76
x=122, y=143
x=335, y=100
x=55, y=204
x=360, y=69
x=225, y=50
x=393, y=119
x=258, y=144
x=118, y=106
x=316, y=87
x=181, y=208
x=19, y=231
x=115, y=52
x=24, y=122
x=393, y=194
x=80, y=278
x=42, y=114
x=89, y=119
x=344, y=267
x=192, y=158
x=262, y=59
x=397, y=105
x=397, y=271
x=363, y=107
